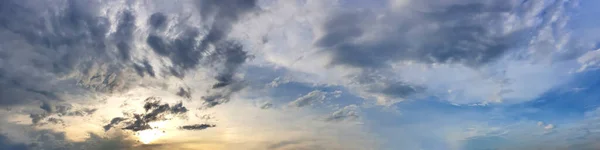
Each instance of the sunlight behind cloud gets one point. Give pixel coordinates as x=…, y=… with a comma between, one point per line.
x=151, y=135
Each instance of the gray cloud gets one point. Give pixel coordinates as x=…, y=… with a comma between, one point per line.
x=190, y=49
x=60, y=110
x=219, y=96
x=158, y=20
x=113, y=122
x=50, y=42
x=197, y=127
x=155, y=110
x=6, y=143
x=226, y=12
x=185, y=51
x=144, y=69
x=266, y=106
x=185, y=93
x=375, y=82
x=56, y=121
x=468, y=34
x=36, y=118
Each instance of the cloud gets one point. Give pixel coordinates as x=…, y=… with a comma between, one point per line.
x=154, y=111
x=348, y=113
x=589, y=60
x=309, y=99
x=5, y=143
x=185, y=93
x=458, y=33
x=47, y=139
x=113, y=122
x=386, y=91
x=58, y=111
x=73, y=67
x=49, y=51
x=422, y=48
x=197, y=127
x=266, y=106
x=79, y=49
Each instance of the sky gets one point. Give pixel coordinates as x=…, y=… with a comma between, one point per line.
x=299, y=74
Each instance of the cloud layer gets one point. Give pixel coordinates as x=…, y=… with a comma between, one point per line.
x=276, y=74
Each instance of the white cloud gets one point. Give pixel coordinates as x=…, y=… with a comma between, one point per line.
x=589, y=60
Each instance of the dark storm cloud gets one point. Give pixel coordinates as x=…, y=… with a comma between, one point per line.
x=155, y=110
x=197, y=127
x=467, y=34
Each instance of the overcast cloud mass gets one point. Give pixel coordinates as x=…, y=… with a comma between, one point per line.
x=299, y=75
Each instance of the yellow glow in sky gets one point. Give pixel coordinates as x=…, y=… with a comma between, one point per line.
x=148, y=136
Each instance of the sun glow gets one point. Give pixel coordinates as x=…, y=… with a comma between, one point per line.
x=150, y=135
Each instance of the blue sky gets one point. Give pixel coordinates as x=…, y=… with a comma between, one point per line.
x=304, y=74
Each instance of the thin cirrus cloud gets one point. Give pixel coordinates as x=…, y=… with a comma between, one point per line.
x=275, y=74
